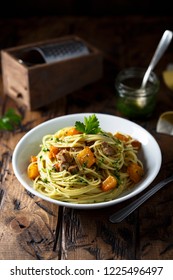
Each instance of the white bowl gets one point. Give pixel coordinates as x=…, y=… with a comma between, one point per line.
x=30, y=145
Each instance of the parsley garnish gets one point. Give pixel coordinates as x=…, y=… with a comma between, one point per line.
x=90, y=125
x=10, y=120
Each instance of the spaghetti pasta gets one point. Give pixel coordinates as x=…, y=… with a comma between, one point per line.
x=77, y=167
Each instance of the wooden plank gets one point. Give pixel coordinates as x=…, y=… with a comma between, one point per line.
x=89, y=235
x=155, y=216
x=28, y=223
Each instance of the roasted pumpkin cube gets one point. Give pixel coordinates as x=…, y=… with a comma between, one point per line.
x=86, y=157
x=72, y=131
x=53, y=151
x=33, y=171
x=109, y=183
x=135, y=172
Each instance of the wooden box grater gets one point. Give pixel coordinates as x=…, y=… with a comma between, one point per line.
x=35, y=85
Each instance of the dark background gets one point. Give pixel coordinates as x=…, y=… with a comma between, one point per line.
x=126, y=31
x=25, y=8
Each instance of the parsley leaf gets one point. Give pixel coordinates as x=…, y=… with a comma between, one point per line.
x=10, y=120
x=90, y=125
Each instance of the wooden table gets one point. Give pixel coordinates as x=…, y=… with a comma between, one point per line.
x=28, y=225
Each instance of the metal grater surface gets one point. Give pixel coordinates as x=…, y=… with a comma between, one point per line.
x=64, y=50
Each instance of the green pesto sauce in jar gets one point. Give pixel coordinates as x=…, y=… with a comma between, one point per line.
x=131, y=101
x=133, y=109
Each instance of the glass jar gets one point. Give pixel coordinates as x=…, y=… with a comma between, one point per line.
x=132, y=101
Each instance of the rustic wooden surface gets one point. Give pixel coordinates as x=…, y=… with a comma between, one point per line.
x=30, y=227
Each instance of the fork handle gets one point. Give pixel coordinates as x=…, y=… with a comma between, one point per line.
x=127, y=210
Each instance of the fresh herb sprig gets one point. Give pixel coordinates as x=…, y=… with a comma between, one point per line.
x=89, y=126
x=10, y=120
